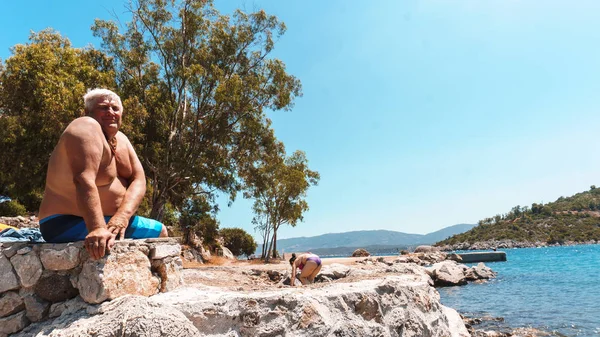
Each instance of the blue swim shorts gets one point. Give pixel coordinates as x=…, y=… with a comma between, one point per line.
x=60, y=228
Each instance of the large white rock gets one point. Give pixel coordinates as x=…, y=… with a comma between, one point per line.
x=448, y=273
x=426, y=249
x=28, y=268
x=126, y=316
x=480, y=271
x=8, y=279
x=402, y=305
x=227, y=253
x=55, y=258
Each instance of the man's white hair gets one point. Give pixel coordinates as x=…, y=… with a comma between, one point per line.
x=90, y=98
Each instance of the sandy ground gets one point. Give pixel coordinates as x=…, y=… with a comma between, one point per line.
x=242, y=275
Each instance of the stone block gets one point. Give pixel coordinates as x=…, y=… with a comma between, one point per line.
x=163, y=240
x=170, y=271
x=60, y=259
x=67, y=307
x=10, y=303
x=115, y=275
x=36, y=308
x=28, y=268
x=162, y=251
x=56, y=309
x=8, y=279
x=11, y=248
x=55, y=288
x=24, y=250
x=13, y=323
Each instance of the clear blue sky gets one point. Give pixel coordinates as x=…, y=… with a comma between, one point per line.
x=418, y=114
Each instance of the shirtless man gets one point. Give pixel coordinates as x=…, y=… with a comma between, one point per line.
x=95, y=181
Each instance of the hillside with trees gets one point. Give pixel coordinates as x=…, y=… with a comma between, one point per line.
x=568, y=219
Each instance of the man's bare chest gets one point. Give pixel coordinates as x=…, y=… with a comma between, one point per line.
x=113, y=166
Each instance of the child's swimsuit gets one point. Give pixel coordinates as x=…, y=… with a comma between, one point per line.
x=315, y=259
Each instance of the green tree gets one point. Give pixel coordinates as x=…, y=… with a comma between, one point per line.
x=238, y=241
x=197, y=217
x=41, y=88
x=278, y=185
x=198, y=83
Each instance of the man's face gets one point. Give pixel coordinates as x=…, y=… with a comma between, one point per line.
x=108, y=113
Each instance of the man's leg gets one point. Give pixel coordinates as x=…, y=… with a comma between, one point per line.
x=144, y=228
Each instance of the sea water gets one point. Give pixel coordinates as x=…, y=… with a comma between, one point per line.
x=556, y=289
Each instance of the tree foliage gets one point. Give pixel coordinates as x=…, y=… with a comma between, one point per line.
x=197, y=217
x=41, y=88
x=12, y=208
x=196, y=85
x=238, y=241
x=278, y=185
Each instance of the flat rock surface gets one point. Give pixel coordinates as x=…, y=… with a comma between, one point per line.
x=253, y=275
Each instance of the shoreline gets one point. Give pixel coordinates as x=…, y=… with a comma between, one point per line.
x=510, y=244
x=475, y=323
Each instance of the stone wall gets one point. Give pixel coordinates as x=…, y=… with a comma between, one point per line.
x=37, y=281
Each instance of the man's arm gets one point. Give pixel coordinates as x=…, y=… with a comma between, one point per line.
x=84, y=147
x=133, y=196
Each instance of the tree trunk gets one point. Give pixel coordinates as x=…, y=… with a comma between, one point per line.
x=158, y=208
x=264, y=247
x=269, y=251
x=274, y=243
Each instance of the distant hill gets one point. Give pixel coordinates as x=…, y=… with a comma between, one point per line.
x=575, y=218
x=446, y=232
x=341, y=243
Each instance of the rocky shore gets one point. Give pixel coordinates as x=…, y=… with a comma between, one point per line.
x=507, y=244
x=383, y=296
x=366, y=296
x=372, y=296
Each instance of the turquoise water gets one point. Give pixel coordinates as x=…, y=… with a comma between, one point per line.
x=556, y=289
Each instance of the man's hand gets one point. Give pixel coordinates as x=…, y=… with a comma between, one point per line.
x=98, y=242
x=117, y=225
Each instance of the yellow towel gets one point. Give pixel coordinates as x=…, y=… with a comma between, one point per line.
x=3, y=227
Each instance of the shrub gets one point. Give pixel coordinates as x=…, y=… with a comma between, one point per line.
x=12, y=208
x=238, y=241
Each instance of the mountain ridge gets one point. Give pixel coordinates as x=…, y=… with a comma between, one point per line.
x=366, y=238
